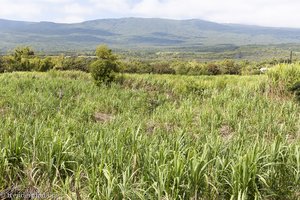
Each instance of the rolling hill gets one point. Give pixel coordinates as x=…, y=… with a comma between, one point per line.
x=137, y=33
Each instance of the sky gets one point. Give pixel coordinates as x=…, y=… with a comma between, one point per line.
x=276, y=13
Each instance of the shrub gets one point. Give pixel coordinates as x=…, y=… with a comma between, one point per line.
x=136, y=67
x=35, y=63
x=250, y=70
x=162, y=68
x=104, y=53
x=230, y=67
x=104, y=71
x=180, y=67
x=23, y=52
x=2, y=66
x=196, y=68
x=287, y=75
x=213, y=69
x=10, y=64
x=58, y=62
x=45, y=65
x=296, y=90
x=285, y=78
x=73, y=63
x=81, y=64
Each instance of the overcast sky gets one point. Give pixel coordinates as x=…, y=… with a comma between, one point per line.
x=278, y=13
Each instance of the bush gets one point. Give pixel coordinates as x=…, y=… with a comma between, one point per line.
x=180, y=67
x=285, y=78
x=196, y=68
x=296, y=90
x=230, y=67
x=213, y=69
x=10, y=64
x=136, y=67
x=23, y=52
x=104, y=71
x=287, y=75
x=250, y=70
x=45, y=65
x=81, y=64
x=75, y=63
x=162, y=68
x=2, y=66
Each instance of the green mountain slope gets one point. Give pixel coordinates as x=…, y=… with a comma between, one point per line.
x=136, y=33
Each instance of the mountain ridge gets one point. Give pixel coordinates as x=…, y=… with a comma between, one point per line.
x=139, y=33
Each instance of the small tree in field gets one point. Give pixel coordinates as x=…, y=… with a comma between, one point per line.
x=104, y=70
x=23, y=52
x=104, y=53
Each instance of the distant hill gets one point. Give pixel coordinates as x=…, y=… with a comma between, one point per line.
x=137, y=33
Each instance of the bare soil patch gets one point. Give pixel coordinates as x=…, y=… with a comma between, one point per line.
x=226, y=132
x=103, y=117
x=3, y=111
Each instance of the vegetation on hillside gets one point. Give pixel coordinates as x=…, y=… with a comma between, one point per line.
x=189, y=36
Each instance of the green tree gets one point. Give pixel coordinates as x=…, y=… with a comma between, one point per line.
x=104, y=53
x=105, y=69
x=45, y=65
x=21, y=59
x=230, y=67
x=23, y=52
x=213, y=69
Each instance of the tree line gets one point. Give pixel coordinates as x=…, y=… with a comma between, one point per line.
x=25, y=59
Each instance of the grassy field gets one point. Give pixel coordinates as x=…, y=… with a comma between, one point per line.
x=154, y=137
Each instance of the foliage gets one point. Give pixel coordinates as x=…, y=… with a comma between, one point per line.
x=2, y=66
x=105, y=68
x=285, y=78
x=45, y=65
x=72, y=63
x=104, y=53
x=213, y=69
x=135, y=66
x=23, y=52
x=167, y=137
x=24, y=59
x=161, y=68
x=180, y=67
x=104, y=71
x=19, y=61
x=286, y=75
x=230, y=67
x=296, y=89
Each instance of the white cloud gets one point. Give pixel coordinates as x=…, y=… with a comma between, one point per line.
x=70, y=19
x=19, y=10
x=77, y=9
x=112, y=8
x=260, y=12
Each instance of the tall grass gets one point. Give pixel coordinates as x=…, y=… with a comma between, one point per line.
x=169, y=137
x=285, y=79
